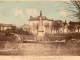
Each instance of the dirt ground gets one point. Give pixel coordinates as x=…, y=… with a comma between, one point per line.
x=70, y=48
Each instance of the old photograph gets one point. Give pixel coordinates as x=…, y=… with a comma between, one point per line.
x=40, y=28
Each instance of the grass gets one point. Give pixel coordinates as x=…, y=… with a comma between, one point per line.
x=7, y=41
x=71, y=47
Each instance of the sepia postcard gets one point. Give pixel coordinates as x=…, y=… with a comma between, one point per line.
x=39, y=29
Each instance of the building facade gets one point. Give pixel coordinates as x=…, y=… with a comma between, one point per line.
x=35, y=21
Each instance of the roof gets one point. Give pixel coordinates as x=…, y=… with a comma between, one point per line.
x=37, y=18
x=6, y=25
x=74, y=23
x=58, y=21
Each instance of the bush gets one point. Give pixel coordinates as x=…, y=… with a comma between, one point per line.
x=68, y=37
x=2, y=33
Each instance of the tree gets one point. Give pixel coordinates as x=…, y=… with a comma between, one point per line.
x=46, y=26
x=36, y=27
x=57, y=25
x=51, y=28
x=76, y=4
x=71, y=28
x=9, y=31
x=78, y=28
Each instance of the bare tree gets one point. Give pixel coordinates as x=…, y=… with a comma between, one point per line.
x=76, y=4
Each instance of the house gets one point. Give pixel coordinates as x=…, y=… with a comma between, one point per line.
x=4, y=27
x=34, y=23
x=75, y=26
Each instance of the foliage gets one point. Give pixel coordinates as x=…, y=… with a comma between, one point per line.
x=57, y=25
x=20, y=31
x=76, y=4
x=71, y=27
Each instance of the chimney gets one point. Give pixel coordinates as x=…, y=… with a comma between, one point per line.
x=40, y=13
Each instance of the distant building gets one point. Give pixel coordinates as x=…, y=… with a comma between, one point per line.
x=4, y=27
x=76, y=26
x=26, y=27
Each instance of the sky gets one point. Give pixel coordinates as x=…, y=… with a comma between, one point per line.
x=19, y=12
